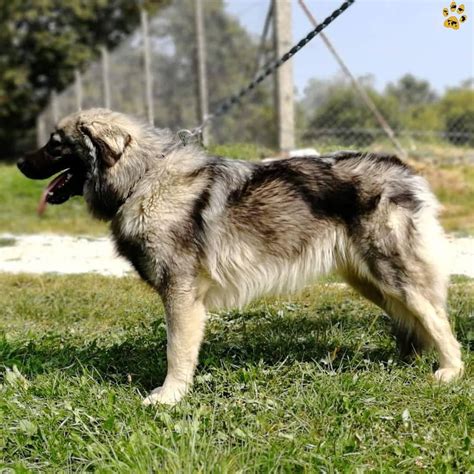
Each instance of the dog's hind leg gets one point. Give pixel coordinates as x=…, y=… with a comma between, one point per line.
x=185, y=321
x=422, y=277
x=430, y=312
x=422, y=320
x=406, y=268
x=411, y=338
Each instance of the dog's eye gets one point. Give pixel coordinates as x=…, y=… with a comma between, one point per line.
x=54, y=146
x=55, y=138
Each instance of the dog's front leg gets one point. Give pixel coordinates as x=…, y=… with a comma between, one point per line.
x=185, y=319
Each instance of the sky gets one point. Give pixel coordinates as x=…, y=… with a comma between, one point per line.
x=384, y=38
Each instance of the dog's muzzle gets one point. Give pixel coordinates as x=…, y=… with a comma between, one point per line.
x=40, y=165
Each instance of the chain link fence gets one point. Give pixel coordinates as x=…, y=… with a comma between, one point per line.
x=338, y=117
x=330, y=114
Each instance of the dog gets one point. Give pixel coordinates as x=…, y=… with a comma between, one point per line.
x=210, y=232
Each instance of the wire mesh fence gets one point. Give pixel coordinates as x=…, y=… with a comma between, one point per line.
x=330, y=113
x=337, y=116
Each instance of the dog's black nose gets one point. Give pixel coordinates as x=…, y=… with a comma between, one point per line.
x=21, y=163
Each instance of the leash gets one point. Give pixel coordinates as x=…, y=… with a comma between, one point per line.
x=185, y=136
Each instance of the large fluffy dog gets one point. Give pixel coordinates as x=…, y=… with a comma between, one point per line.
x=209, y=232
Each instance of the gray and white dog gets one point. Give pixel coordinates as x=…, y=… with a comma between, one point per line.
x=209, y=232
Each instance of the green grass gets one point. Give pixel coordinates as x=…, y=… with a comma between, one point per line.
x=19, y=198
x=308, y=385
x=242, y=151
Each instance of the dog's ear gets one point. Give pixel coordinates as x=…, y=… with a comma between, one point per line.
x=108, y=138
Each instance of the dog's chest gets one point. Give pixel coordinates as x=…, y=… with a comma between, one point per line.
x=137, y=254
x=140, y=250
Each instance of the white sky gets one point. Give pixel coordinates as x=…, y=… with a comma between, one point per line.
x=385, y=38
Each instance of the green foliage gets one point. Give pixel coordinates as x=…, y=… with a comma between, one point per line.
x=231, y=54
x=410, y=91
x=342, y=114
x=56, y=37
x=417, y=103
x=457, y=106
x=335, y=114
x=423, y=117
x=41, y=42
x=312, y=384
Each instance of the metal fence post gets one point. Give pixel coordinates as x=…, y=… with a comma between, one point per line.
x=284, y=76
x=78, y=88
x=55, y=112
x=105, y=76
x=150, y=112
x=40, y=130
x=201, y=58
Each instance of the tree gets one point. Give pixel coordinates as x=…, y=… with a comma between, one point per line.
x=41, y=43
x=317, y=91
x=457, y=108
x=231, y=53
x=417, y=103
x=342, y=117
x=411, y=91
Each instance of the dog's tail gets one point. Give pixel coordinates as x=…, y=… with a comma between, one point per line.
x=429, y=265
x=433, y=247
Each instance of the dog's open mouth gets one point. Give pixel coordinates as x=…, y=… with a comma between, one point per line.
x=65, y=185
x=42, y=164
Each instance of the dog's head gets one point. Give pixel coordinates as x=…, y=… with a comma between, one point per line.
x=85, y=147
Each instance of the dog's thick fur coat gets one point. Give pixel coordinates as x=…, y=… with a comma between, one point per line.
x=209, y=232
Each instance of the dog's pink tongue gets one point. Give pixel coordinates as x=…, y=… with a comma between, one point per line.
x=44, y=196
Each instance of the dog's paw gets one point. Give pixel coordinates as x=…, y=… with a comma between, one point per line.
x=448, y=374
x=168, y=394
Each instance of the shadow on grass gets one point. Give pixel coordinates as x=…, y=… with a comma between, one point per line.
x=232, y=340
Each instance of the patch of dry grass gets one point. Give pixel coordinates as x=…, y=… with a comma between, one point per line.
x=454, y=187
